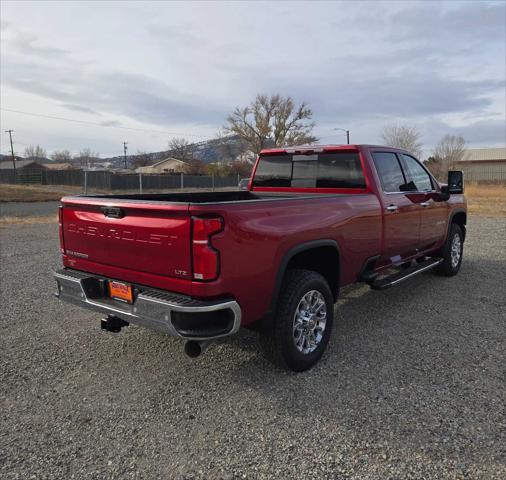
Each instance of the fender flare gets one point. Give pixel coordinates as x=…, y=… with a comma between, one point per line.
x=302, y=247
x=450, y=220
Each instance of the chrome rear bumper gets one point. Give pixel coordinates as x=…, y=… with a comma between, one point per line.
x=167, y=312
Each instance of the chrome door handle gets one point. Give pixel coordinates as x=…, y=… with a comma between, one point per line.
x=424, y=204
x=392, y=208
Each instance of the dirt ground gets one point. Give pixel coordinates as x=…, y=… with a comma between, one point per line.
x=412, y=384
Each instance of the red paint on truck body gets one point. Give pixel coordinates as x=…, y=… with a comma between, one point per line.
x=152, y=243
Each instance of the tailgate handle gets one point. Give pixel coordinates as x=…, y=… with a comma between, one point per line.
x=113, y=212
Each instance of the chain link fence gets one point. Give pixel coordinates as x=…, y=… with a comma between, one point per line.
x=104, y=180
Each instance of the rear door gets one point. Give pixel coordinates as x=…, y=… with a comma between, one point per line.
x=135, y=236
x=434, y=212
x=401, y=211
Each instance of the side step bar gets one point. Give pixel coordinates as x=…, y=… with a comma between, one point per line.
x=396, y=278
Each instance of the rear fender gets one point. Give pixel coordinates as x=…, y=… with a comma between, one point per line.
x=289, y=255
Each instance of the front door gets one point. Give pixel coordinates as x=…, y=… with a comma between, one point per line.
x=402, y=213
x=434, y=213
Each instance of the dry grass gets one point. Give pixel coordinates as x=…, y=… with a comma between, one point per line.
x=46, y=193
x=486, y=200
x=28, y=220
x=34, y=193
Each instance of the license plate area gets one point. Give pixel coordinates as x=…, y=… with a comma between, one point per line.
x=120, y=291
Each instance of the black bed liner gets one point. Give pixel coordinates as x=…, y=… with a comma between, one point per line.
x=188, y=197
x=200, y=197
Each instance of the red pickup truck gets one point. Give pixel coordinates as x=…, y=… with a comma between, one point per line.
x=201, y=265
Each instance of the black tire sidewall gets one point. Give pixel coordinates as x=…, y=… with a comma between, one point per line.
x=304, y=282
x=456, y=230
x=446, y=267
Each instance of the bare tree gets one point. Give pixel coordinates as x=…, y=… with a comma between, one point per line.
x=61, y=156
x=435, y=165
x=141, y=159
x=35, y=152
x=195, y=166
x=272, y=121
x=241, y=168
x=450, y=149
x=182, y=149
x=403, y=136
x=86, y=157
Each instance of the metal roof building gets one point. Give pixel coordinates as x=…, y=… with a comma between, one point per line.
x=484, y=165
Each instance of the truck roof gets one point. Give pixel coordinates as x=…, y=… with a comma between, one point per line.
x=326, y=147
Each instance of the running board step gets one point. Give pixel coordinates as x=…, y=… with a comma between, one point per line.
x=396, y=278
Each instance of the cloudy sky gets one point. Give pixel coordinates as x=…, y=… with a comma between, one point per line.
x=146, y=72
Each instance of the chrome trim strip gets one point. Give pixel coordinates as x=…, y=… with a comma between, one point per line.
x=411, y=191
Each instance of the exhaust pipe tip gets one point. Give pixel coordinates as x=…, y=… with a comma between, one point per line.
x=194, y=349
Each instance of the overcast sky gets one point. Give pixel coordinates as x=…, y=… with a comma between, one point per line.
x=178, y=69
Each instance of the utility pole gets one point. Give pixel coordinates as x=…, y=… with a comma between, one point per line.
x=125, y=148
x=10, y=132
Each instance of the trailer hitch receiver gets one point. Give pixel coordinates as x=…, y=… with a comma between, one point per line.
x=113, y=324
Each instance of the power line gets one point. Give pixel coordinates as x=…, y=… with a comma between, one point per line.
x=85, y=122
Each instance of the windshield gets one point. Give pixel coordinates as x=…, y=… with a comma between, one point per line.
x=323, y=170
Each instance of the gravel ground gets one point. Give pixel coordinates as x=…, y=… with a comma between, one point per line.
x=412, y=384
x=28, y=209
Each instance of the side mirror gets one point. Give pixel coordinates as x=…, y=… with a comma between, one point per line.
x=455, y=181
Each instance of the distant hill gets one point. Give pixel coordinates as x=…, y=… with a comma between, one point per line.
x=209, y=151
x=218, y=149
x=4, y=158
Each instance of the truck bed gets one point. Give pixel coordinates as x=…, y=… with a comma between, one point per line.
x=193, y=197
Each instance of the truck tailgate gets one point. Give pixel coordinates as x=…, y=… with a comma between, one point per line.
x=140, y=237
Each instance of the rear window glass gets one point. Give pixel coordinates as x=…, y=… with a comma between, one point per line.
x=319, y=170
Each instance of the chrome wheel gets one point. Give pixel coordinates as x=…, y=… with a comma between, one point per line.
x=309, y=322
x=456, y=250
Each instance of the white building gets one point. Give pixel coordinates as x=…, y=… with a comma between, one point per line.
x=168, y=165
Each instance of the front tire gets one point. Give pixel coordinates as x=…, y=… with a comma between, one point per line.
x=452, y=252
x=301, y=330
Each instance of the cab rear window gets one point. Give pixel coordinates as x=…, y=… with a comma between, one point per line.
x=319, y=170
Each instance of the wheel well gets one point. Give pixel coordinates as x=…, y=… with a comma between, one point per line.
x=460, y=219
x=324, y=260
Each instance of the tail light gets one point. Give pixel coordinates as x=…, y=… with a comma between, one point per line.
x=206, y=259
x=60, y=228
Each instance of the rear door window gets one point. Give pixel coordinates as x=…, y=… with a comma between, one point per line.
x=319, y=170
x=390, y=172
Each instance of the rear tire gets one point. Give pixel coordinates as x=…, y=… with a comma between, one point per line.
x=452, y=252
x=298, y=336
